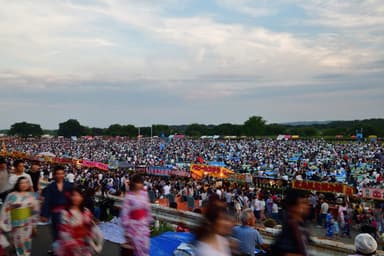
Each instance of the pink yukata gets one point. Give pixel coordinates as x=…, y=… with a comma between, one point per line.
x=135, y=218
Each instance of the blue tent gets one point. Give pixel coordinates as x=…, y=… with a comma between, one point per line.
x=166, y=243
x=216, y=163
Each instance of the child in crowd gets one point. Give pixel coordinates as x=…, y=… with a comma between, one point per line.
x=329, y=220
x=347, y=225
x=336, y=229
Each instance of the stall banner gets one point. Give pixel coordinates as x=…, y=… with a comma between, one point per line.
x=91, y=164
x=243, y=177
x=166, y=171
x=197, y=175
x=323, y=187
x=214, y=171
x=373, y=193
x=17, y=154
x=58, y=160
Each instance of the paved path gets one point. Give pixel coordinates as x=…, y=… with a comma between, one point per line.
x=42, y=242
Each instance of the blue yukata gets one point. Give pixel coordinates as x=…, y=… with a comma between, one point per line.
x=329, y=224
x=54, y=202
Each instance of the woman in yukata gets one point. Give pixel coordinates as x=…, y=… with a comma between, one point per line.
x=19, y=216
x=136, y=218
x=78, y=233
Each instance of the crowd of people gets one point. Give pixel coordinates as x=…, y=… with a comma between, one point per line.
x=359, y=164
x=64, y=194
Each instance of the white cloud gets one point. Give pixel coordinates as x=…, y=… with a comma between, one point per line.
x=345, y=13
x=116, y=44
x=248, y=7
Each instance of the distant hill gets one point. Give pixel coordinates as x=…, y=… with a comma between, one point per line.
x=307, y=123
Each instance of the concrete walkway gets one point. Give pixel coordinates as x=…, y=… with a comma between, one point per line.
x=42, y=243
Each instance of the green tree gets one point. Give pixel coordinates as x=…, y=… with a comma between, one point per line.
x=70, y=128
x=159, y=129
x=94, y=131
x=196, y=130
x=309, y=131
x=275, y=129
x=115, y=130
x=254, y=126
x=25, y=129
x=228, y=129
x=122, y=130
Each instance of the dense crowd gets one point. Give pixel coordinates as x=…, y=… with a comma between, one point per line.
x=358, y=164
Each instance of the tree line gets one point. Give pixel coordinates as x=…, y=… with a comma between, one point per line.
x=254, y=126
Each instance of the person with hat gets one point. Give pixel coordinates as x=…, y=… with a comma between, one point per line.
x=365, y=245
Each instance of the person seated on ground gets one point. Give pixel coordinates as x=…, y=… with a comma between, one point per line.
x=365, y=245
x=247, y=236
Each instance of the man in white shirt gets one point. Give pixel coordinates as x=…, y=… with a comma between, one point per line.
x=18, y=173
x=257, y=208
x=219, y=193
x=324, y=211
x=71, y=177
x=167, y=189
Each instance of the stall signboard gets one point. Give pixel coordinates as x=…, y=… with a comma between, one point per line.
x=373, y=193
x=323, y=187
x=242, y=177
x=166, y=171
x=215, y=171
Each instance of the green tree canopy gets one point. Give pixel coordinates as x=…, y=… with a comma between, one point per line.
x=25, y=129
x=275, y=129
x=254, y=126
x=122, y=130
x=70, y=128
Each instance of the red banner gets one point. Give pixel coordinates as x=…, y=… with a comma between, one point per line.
x=199, y=170
x=58, y=160
x=373, y=193
x=164, y=171
x=323, y=187
x=91, y=164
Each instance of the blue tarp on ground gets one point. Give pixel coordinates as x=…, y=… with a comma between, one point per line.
x=166, y=243
x=216, y=163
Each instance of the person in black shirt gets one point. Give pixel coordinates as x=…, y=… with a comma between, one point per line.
x=35, y=174
x=56, y=198
x=294, y=238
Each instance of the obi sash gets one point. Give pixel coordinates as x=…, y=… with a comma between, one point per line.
x=138, y=214
x=21, y=214
x=79, y=232
x=58, y=209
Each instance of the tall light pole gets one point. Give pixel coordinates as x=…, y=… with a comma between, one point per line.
x=151, y=132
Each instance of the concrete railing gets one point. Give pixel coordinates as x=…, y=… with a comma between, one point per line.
x=321, y=247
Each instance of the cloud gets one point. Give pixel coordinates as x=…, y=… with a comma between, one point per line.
x=345, y=13
x=248, y=7
x=160, y=54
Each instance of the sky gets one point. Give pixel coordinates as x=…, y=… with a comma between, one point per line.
x=185, y=61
